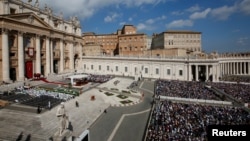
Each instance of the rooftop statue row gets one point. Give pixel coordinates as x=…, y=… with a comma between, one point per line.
x=74, y=20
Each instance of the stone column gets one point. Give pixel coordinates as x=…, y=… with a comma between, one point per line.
x=214, y=72
x=190, y=76
x=188, y=72
x=71, y=56
x=225, y=68
x=80, y=56
x=240, y=68
x=228, y=68
x=196, y=72
x=52, y=56
x=47, y=56
x=20, y=57
x=217, y=73
x=184, y=73
x=222, y=69
x=38, y=55
x=61, y=56
x=5, y=56
x=232, y=70
x=207, y=73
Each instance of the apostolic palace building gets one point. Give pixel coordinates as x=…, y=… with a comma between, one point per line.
x=36, y=40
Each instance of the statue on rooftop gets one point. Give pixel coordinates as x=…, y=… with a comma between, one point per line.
x=61, y=15
x=45, y=8
x=37, y=3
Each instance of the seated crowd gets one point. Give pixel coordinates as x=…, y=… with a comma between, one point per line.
x=184, y=89
x=240, y=92
x=99, y=78
x=177, y=121
x=36, y=92
x=36, y=97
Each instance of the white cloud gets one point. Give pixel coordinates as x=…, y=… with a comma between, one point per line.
x=111, y=18
x=140, y=2
x=150, y=21
x=122, y=23
x=194, y=8
x=222, y=13
x=87, y=8
x=149, y=24
x=130, y=19
x=177, y=13
x=179, y=24
x=163, y=17
x=157, y=19
x=141, y=26
x=200, y=15
x=144, y=27
x=243, y=41
x=244, y=6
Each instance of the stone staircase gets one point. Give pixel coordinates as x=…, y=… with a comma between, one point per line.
x=13, y=123
x=43, y=127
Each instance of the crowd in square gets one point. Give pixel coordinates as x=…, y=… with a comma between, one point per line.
x=239, y=91
x=184, y=89
x=178, y=122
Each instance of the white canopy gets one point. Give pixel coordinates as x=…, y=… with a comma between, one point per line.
x=76, y=77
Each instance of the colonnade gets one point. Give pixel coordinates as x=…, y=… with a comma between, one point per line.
x=235, y=68
x=197, y=71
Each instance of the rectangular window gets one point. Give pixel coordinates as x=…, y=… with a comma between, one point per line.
x=157, y=71
x=180, y=73
x=107, y=68
x=92, y=67
x=146, y=70
x=126, y=69
x=116, y=68
x=100, y=67
x=84, y=66
x=168, y=72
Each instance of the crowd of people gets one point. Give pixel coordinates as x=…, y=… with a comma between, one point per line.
x=39, y=92
x=184, y=89
x=235, y=78
x=241, y=92
x=99, y=78
x=177, y=121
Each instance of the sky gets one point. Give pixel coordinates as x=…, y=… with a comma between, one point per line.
x=224, y=24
